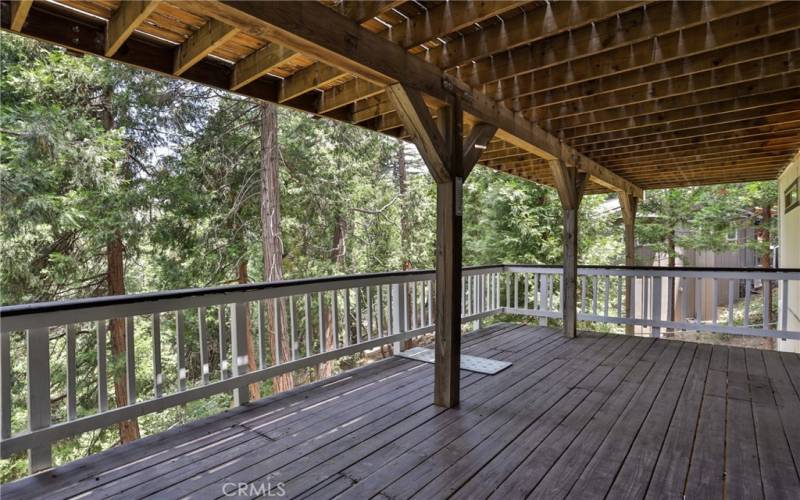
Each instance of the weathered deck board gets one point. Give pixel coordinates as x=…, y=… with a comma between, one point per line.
x=595, y=416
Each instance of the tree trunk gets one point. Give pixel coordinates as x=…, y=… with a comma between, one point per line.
x=242, y=278
x=115, y=276
x=272, y=240
x=128, y=429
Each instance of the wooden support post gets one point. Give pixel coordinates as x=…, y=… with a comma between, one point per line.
x=629, y=203
x=442, y=149
x=570, y=184
x=448, y=261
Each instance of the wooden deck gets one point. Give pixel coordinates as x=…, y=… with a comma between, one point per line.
x=600, y=415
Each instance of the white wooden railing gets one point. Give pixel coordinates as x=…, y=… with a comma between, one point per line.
x=536, y=291
x=365, y=312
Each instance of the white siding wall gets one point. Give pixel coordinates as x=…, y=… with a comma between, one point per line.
x=789, y=255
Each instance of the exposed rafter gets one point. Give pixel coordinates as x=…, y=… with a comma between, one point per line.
x=19, y=13
x=201, y=43
x=129, y=16
x=321, y=33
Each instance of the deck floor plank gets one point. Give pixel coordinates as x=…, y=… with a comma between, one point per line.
x=671, y=468
x=624, y=458
x=778, y=473
x=592, y=417
x=741, y=455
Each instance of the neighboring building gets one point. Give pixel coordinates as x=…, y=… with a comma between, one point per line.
x=789, y=251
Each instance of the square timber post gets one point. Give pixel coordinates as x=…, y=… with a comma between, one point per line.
x=450, y=158
x=570, y=185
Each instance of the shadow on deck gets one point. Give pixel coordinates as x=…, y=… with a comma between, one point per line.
x=626, y=417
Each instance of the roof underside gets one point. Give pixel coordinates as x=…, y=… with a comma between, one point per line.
x=663, y=94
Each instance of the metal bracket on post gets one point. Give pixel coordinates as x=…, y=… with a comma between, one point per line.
x=39, y=457
x=398, y=307
x=241, y=395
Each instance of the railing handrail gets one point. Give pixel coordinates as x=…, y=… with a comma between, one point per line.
x=41, y=314
x=10, y=311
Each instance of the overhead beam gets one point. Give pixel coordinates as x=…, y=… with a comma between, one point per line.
x=201, y=43
x=533, y=71
x=695, y=125
x=622, y=32
x=770, y=120
x=266, y=59
x=434, y=22
x=663, y=73
x=761, y=86
x=321, y=33
x=258, y=64
x=620, y=39
x=673, y=88
x=545, y=21
x=361, y=11
x=475, y=144
x=128, y=16
x=19, y=13
x=423, y=130
x=784, y=90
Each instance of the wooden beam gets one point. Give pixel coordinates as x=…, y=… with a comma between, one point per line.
x=618, y=40
x=661, y=107
x=475, y=144
x=629, y=204
x=775, y=119
x=436, y=21
x=663, y=72
x=766, y=140
x=201, y=43
x=534, y=73
x=672, y=89
x=321, y=33
x=448, y=265
x=361, y=11
x=266, y=59
x=690, y=125
x=570, y=185
x=306, y=79
x=420, y=125
x=439, y=20
x=786, y=90
x=128, y=16
x=19, y=13
x=258, y=64
x=545, y=21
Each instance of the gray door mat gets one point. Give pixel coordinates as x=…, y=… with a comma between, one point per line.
x=469, y=363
